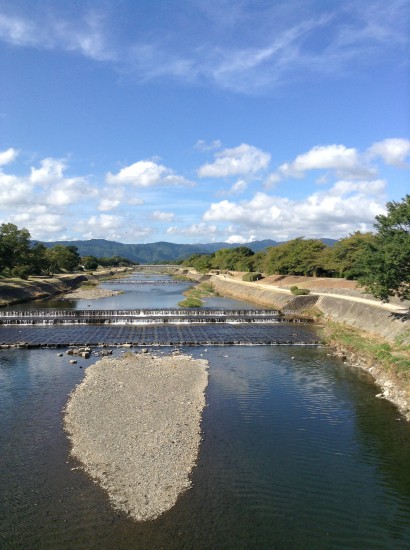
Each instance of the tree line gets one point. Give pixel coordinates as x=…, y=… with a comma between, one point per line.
x=379, y=261
x=19, y=257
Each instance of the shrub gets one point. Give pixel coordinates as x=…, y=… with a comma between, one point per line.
x=299, y=291
x=251, y=276
x=21, y=271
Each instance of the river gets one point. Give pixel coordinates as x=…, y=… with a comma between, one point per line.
x=297, y=453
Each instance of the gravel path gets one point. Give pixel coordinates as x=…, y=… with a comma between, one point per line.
x=134, y=423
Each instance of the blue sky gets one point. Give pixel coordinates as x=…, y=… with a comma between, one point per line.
x=202, y=120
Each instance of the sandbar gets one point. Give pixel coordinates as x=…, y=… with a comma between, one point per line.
x=135, y=426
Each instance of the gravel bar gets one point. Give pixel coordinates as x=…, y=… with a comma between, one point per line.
x=134, y=424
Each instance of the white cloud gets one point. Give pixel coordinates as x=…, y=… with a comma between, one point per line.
x=84, y=35
x=237, y=239
x=239, y=187
x=146, y=173
x=220, y=46
x=8, y=156
x=14, y=190
x=108, y=204
x=163, y=216
x=195, y=230
x=51, y=171
x=203, y=146
x=243, y=160
x=105, y=221
x=393, y=151
x=348, y=206
x=342, y=159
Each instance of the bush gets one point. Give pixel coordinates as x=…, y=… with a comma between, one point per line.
x=299, y=291
x=21, y=271
x=251, y=276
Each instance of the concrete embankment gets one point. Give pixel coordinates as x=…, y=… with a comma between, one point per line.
x=371, y=318
x=134, y=423
x=374, y=320
x=14, y=291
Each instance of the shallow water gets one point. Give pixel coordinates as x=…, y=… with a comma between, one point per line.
x=297, y=453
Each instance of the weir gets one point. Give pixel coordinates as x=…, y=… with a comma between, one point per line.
x=29, y=336
x=137, y=316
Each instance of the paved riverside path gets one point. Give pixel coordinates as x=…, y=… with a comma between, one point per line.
x=395, y=308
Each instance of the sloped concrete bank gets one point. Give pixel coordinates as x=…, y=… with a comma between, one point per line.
x=37, y=288
x=375, y=321
x=370, y=318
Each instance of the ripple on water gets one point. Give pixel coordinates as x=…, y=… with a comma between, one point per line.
x=297, y=453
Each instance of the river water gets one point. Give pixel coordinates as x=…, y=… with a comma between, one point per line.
x=297, y=453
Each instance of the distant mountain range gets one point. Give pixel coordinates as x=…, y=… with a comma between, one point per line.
x=160, y=251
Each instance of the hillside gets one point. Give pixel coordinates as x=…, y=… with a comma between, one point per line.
x=156, y=252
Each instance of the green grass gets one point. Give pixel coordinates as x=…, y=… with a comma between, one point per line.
x=191, y=302
x=393, y=357
x=195, y=294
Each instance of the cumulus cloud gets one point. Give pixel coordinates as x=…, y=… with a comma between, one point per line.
x=108, y=204
x=342, y=159
x=14, y=190
x=393, y=151
x=348, y=206
x=105, y=221
x=8, y=156
x=243, y=160
x=207, y=231
x=163, y=216
x=147, y=173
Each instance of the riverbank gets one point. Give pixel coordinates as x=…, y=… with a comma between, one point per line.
x=134, y=424
x=364, y=332
x=15, y=291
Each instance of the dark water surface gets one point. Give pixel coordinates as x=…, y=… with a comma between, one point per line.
x=297, y=454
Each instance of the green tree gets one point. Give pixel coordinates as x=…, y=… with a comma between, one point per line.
x=14, y=246
x=297, y=257
x=38, y=259
x=63, y=258
x=235, y=259
x=386, y=261
x=89, y=262
x=344, y=257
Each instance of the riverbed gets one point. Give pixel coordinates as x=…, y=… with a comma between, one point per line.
x=297, y=453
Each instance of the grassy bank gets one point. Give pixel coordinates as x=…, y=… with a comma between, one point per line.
x=383, y=359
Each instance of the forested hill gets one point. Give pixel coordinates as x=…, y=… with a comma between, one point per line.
x=156, y=252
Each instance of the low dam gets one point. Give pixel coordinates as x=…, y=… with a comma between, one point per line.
x=167, y=327
x=137, y=316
